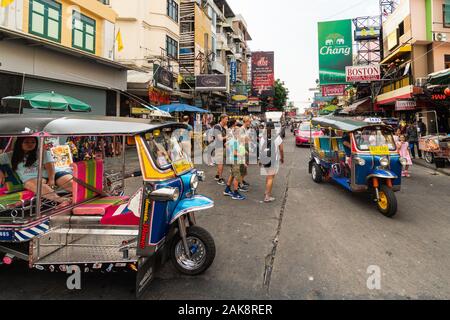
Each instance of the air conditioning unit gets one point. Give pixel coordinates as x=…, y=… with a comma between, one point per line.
x=440, y=37
x=421, y=82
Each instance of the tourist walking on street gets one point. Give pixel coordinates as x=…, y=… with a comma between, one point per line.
x=272, y=155
x=413, y=138
x=220, y=137
x=245, y=139
x=236, y=159
x=186, y=138
x=404, y=150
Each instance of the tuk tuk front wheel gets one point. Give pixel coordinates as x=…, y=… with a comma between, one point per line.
x=387, y=203
x=202, y=250
x=316, y=173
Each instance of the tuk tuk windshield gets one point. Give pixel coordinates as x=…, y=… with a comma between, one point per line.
x=374, y=137
x=165, y=148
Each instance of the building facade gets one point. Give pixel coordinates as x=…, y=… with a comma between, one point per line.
x=150, y=36
x=213, y=42
x=416, y=42
x=65, y=46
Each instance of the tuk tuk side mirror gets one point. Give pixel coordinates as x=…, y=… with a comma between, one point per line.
x=164, y=195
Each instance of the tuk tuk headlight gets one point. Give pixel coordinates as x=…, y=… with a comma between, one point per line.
x=194, y=182
x=403, y=162
x=384, y=161
x=361, y=162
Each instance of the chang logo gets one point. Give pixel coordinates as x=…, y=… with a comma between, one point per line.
x=335, y=45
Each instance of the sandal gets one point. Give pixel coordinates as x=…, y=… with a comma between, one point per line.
x=269, y=199
x=64, y=204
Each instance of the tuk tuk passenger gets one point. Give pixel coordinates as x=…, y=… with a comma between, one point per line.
x=24, y=161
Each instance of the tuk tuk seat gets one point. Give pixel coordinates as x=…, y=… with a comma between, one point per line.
x=91, y=173
x=13, y=193
x=324, y=147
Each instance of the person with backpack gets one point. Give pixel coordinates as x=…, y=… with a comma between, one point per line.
x=272, y=155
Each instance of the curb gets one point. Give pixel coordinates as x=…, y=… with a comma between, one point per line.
x=428, y=166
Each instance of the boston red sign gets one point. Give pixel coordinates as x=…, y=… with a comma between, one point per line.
x=363, y=73
x=263, y=76
x=333, y=90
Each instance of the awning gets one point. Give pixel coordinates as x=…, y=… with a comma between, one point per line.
x=391, y=97
x=400, y=51
x=139, y=77
x=440, y=78
x=358, y=107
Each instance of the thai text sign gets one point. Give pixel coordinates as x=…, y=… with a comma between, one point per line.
x=333, y=90
x=335, y=51
x=363, y=73
x=263, y=74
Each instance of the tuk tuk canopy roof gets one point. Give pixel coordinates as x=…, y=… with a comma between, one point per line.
x=26, y=125
x=343, y=124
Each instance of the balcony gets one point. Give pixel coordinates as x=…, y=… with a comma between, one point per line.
x=398, y=84
x=218, y=67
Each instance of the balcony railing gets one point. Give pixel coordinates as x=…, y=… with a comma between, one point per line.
x=397, y=84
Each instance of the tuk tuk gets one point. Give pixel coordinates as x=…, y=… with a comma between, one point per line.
x=102, y=229
x=367, y=162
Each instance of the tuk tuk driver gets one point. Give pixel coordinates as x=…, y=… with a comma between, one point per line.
x=24, y=161
x=347, y=148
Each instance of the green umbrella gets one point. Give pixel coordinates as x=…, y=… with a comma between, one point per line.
x=51, y=101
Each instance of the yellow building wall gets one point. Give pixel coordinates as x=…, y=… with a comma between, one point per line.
x=92, y=9
x=202, y=26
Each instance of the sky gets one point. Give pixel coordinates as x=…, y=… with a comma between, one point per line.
x=289, y=27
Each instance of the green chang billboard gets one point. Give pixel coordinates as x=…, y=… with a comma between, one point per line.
x=335, y=51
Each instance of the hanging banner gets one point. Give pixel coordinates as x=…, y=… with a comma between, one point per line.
x=333, y=90
x=335, y=51
x=363, y=73
x=263, y=74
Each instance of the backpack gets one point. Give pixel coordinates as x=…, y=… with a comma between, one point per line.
x=268, y=152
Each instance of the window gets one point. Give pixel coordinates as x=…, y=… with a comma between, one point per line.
x=446, y=16
x=106, y=2
x=447, y=61
x=83, y=32
x=45, y=19
x=171, y=47
x=172, y=10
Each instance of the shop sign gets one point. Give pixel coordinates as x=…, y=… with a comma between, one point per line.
x=367, y=33
x=333, y=90
x=233, y=71
x=163, y=78
x=263, y=74
x=335, y=50
x=405, y=105
x=158, y=97
x=211, y=82
x=253, y=101
x=363, y=73
x=254, y=109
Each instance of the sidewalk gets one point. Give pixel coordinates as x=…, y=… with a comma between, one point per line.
x=423, y=163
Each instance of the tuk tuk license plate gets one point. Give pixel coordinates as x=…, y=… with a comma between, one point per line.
x=6, y=235
x=379, y=150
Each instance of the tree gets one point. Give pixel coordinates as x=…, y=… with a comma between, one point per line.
x=281, y=95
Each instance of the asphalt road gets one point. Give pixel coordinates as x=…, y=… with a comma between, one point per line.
x=315, y=242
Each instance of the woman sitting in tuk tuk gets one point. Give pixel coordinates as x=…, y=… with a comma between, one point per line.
x=24, y=162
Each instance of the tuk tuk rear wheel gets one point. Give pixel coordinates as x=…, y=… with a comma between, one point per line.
x=316, y=173
x=387, y=204
x=202, y=248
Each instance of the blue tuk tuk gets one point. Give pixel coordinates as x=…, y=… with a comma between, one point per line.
x=361, y=156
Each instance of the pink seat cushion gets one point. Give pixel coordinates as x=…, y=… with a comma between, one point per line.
x=98, y=207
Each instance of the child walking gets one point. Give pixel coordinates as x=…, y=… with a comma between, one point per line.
x=404, y=150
